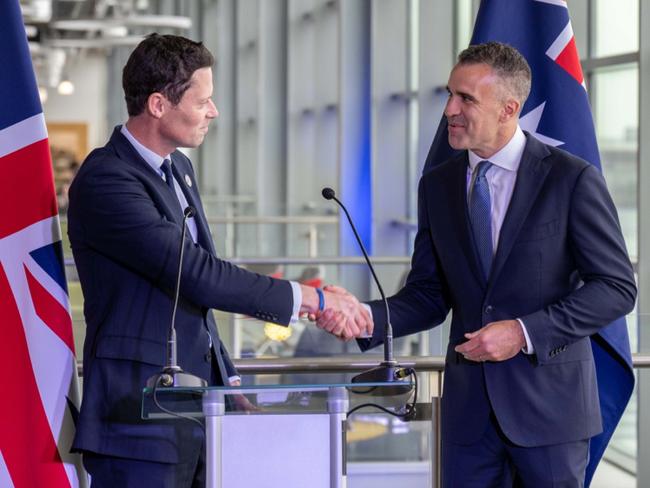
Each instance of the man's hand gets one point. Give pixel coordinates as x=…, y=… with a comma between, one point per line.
x=497, y=341
x=343, y=316
x=240, y=402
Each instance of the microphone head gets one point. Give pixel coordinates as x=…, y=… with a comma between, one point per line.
x=328, y=193
x=189, y=212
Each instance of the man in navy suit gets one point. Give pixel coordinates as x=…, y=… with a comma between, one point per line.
x=124, y=222
x=522, y=241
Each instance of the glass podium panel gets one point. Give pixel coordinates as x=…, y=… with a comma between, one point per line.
x=274, y=399
x=293, y=435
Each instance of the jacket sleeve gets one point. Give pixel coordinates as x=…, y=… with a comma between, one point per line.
x=608, y=289
x=118, y=215
x=423, y=302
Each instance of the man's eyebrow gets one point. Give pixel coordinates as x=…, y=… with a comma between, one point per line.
x=460, y=93
x=466, y=95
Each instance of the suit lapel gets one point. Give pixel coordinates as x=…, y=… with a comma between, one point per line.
x=191, y=195
x=530, y=179
x=454, y=197
x=127, y=153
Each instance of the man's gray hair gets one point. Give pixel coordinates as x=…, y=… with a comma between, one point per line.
x=505, y=61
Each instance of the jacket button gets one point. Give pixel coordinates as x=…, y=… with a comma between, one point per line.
x=488, y=309
x=208, y=357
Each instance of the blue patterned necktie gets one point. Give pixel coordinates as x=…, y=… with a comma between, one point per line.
x=480, y=215
x=166, y=168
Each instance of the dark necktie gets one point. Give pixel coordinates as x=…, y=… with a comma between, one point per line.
x=167, y=171
x=480, y=215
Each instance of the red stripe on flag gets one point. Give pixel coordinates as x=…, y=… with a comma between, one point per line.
x=26, y=441
x=570, y=61
x=50, y=311
x=26, y=187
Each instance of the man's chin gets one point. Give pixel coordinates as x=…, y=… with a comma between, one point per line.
x=456, y=143
x=194, y=143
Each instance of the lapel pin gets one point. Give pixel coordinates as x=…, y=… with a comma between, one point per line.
x=188, y=181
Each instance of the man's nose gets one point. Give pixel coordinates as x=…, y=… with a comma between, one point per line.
x=213, y=112
x=451, y=108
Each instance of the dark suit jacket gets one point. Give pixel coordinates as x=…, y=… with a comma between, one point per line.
x=561, y=266
x=124, y=225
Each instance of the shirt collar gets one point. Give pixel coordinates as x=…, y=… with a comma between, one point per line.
x=508, y=157
x=152, y=159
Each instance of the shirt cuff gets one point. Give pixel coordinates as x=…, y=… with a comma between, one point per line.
x=365, y=335
x=529, y=349
x=233, y=378
x=297, y=301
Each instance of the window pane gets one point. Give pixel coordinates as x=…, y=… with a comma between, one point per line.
x=616, y=114
x=464, y=23
x=616, y=28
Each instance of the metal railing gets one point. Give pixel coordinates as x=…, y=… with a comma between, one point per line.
x=351, y=364
x=377, y=260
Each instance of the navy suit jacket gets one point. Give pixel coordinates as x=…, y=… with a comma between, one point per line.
x=124, y=225
x=561, y=266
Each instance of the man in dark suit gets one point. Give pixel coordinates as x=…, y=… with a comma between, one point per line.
x=124, y=222
x=522, y=241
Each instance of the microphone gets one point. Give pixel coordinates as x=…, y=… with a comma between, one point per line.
x=388, y=370
x=172, y=374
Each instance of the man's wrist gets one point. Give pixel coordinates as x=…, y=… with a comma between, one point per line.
x=310, y=299
x=321, y=299
x=528, y=345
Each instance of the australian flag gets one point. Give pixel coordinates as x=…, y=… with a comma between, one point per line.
x=557, y=112
x=40, y=387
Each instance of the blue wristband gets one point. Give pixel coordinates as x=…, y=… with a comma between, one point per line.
x=321, y=299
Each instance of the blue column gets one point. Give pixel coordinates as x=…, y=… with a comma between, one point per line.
x=355, y=139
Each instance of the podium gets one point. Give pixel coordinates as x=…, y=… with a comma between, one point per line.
x=272, y=435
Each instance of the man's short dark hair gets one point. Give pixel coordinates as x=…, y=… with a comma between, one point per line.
x=164, y=64
x=505, y=61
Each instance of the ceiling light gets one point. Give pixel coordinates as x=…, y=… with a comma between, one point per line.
x=66, y=87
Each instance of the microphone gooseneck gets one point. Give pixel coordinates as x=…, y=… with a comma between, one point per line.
x=172, y=374
x=172, y=359
x=388, y=371
x=330, y=194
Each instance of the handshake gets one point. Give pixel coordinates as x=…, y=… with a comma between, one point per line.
x=342, y=316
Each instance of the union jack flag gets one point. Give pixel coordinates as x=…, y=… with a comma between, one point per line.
x=557, y=113
x=40, y=386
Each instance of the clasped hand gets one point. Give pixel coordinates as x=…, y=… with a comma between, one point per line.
x=497, y=341
x=344, y=316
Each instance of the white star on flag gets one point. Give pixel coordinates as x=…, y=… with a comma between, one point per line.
x=530, y=123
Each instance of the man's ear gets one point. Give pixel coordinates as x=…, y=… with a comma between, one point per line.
x=510, y=110
x=156, y=105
